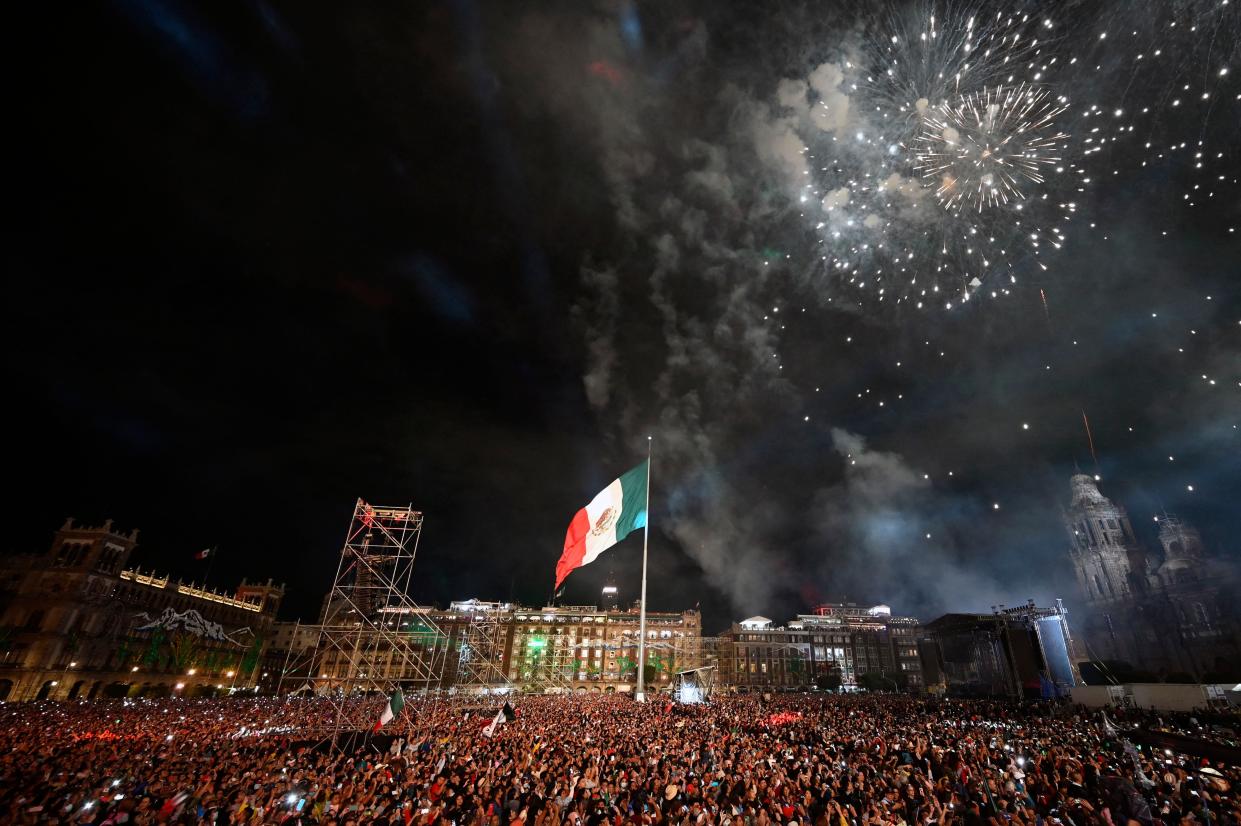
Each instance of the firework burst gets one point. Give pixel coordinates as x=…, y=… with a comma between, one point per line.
x=986, y=149
x=956, y=169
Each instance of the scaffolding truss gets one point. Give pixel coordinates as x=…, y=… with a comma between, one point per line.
x=549, y=664
x=479, y=638
x=373, y=638
x=552, y=663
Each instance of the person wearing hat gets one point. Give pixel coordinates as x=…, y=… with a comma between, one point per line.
x=672, y=798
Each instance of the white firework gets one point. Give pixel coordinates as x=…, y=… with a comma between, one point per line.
x=990, y=148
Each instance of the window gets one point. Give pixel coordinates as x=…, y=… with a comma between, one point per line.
x=35, y=621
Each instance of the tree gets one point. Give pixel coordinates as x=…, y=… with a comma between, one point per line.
x=829, y=681
x=182, y=650
x=250, y=660
x=123, y=651
x=876, y=682
x=655, y=665
x=155, y=648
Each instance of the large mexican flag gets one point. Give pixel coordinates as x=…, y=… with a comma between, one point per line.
x=618, y=509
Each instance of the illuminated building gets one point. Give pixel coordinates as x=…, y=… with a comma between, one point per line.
x=834, y=647
x=474, y=645
x=585, y=648
x=79, y=622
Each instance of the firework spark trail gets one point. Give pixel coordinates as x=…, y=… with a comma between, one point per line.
x=954, y=104
x=964, y=139
x=1090, y=441
x=982, y=145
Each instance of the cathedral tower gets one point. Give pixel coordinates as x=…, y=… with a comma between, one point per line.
x=1182, y=552
x=1109, y=564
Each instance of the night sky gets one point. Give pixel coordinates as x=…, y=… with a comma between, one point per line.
x=268, y=258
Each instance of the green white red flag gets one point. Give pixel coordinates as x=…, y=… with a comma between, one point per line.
x=395, y=703
x=618, y=509
x=504, y=715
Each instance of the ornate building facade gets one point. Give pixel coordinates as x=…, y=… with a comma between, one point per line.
x=597, y=649
x=473, y=645
x=77, y=621
x=843, y=639
x=1170, y=612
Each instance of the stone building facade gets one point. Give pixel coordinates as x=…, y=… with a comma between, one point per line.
x=1172, y=611
x=78, y=621
x=473, y=645
x=840, y=639
x=597, y=650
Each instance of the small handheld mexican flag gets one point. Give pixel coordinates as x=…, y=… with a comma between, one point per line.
x=504, y=715
x=395, y=703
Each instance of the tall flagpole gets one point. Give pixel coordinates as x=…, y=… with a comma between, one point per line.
x=640, y=694
x=215, y=551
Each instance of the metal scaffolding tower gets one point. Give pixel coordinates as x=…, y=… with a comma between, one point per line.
x=479, y=639
x=548, y=662
x=373, y=638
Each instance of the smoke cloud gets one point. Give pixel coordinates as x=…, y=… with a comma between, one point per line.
x=686, y=307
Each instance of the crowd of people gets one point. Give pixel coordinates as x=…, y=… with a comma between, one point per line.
x=600, y=760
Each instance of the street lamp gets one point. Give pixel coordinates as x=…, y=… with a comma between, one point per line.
x=64, y=673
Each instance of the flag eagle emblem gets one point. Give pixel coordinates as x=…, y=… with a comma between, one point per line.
x=604, y=523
